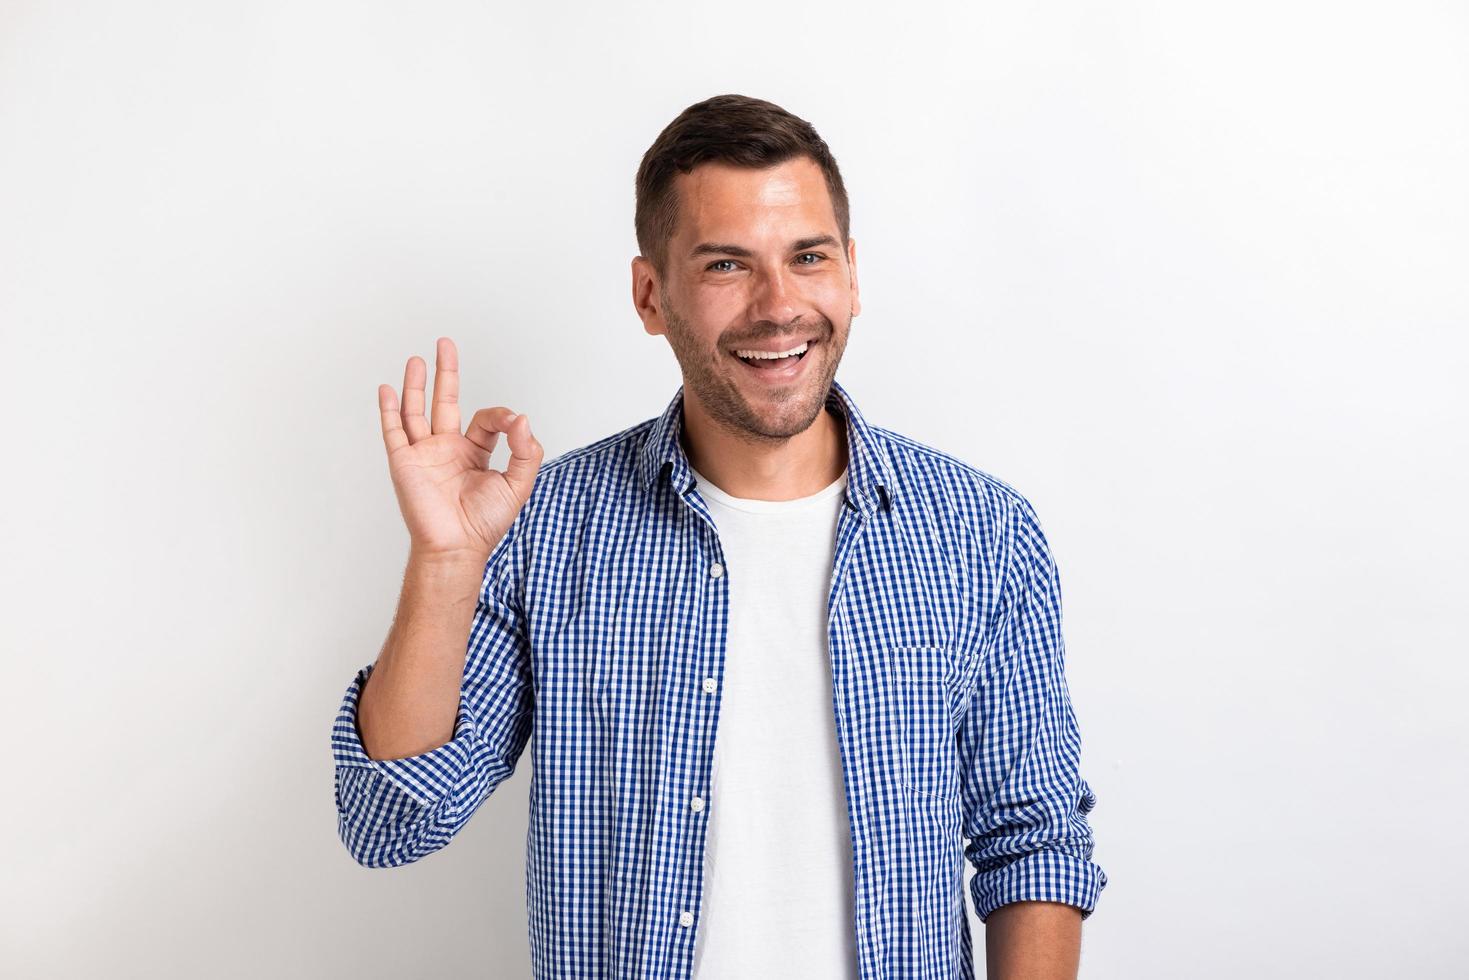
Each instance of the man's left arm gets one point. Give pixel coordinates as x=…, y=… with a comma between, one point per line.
x=1033, y=941
x=1024, y=800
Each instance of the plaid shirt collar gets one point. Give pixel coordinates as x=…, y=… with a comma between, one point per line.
x=871, y=483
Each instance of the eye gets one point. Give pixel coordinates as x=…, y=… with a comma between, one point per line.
x=711, y=265
x=815, y=255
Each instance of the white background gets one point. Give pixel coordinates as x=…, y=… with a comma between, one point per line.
x=1191, y=276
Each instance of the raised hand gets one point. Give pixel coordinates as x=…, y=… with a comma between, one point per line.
x=456, y=508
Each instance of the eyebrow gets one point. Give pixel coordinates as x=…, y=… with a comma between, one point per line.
x=720, y=248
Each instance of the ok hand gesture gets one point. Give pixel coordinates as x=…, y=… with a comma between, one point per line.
x=456, y=508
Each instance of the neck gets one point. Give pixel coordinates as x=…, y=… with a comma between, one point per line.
x=765, y=469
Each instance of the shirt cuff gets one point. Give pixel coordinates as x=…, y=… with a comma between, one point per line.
x=1042, y=876
x=427, y=777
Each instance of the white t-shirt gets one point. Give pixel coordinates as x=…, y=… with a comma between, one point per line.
x=778, y=861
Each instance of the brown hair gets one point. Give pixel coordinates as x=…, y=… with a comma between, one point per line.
x=732, y=129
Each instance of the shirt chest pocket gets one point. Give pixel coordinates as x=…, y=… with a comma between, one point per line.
x=924, y=698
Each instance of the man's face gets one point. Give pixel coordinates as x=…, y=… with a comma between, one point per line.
x=755, y=264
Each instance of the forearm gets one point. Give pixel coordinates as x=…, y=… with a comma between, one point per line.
x=409, y=703
x=1033, y=941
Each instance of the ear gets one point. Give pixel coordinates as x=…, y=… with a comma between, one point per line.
x=852, y=270
x=645, y=298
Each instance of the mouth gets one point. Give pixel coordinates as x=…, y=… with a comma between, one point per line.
x=774, y=366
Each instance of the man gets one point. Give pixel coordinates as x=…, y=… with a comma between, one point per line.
x=871, y=627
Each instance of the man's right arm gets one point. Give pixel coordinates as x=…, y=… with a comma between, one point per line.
x=425, y=734
x=411, y=704
x=429, y=730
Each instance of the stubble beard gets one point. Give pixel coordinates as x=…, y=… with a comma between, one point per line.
x=707, y=374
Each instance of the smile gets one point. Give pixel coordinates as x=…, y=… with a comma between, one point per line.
x=774, y=366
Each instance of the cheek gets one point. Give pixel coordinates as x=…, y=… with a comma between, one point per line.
x=710, y=318
x=721, y=304
x=830, y=295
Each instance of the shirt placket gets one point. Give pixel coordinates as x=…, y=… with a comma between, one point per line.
x=850, y=524
x=691, y=683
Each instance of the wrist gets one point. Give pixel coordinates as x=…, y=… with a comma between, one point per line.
x=447, y=564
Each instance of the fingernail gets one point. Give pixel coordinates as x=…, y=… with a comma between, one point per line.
x=512, y=416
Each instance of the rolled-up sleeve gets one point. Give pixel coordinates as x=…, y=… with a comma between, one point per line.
x=1024, y=800
x=394, y=811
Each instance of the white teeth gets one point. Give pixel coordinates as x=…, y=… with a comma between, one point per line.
x=761, y=355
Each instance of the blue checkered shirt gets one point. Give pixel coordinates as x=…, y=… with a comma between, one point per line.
x=601, y=627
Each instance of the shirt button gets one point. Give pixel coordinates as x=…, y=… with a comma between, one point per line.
x=716, y=569
x=686, y=918
x=709, y=685
x=696, y=804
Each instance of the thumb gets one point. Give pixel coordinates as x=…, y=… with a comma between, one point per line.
x=525, y=457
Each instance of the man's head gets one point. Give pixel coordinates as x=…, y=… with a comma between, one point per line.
x=742, y=222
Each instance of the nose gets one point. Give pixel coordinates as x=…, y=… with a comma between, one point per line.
x=775, y=298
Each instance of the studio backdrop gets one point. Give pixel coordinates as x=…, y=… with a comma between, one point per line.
x=1191, y=277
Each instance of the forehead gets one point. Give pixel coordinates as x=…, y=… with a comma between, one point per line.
x=720, y=200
